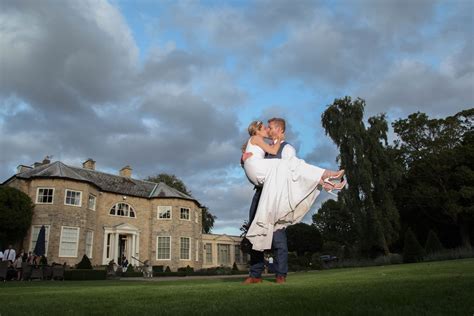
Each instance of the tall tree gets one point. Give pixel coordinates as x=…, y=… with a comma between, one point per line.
x=303, y=238
x=438, y=190
x=16, y=213
x=207, y=220
x=371, y=170
x=336, y=223
x=174, y=182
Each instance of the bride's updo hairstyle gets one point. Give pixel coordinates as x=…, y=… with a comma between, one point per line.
x=254, y=127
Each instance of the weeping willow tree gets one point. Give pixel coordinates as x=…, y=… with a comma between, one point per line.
x=371, y=170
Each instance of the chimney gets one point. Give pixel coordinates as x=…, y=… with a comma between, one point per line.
x=37, y=164
x=89, y=164
x=22, y=168
x=46, y=160
x=126, y=172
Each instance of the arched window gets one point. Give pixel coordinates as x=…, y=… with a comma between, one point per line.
x=122, y=209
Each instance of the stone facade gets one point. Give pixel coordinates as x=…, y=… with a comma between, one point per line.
x=75, y=230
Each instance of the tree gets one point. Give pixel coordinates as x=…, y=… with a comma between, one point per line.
x=207, y=220
x=412, y=250
x=438, y=156
x=16, y=213
x=432, y=243
x=336, y=223
x=371, y=170
x=170, y=180
x=174, y=182
x=303, y=238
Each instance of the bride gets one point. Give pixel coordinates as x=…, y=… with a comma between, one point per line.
x=291, y=187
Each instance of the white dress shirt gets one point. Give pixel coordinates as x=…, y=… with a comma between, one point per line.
x=9, y=254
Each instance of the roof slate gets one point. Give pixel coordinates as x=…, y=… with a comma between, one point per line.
x=105, y=182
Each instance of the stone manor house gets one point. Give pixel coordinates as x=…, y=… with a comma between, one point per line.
x=104, y=216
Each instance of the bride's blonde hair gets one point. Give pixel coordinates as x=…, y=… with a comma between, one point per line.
x=254, y=127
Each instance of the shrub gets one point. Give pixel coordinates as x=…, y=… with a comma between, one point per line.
x=316, y=263
x=85, y=263
x=157, y=269
x=451, y=254
x=432, y=243
x=84, y=274
x=234, y=267
x=167, y=269
x=412, y=250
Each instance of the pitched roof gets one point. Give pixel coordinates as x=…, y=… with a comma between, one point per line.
x=104, y=181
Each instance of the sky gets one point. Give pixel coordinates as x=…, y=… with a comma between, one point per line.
x=171, y=86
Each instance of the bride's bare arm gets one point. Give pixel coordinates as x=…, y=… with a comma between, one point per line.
x=273, y=150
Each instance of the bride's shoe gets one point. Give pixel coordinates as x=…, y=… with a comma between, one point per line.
x=334, y=186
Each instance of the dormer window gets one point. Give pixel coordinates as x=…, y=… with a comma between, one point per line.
x=122, y=209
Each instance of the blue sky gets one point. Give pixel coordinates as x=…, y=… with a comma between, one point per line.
x=170, y=86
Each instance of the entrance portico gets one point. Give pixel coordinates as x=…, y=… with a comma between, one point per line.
x=121, y=239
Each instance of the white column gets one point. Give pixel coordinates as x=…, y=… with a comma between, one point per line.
x=137, y=249
x=116, y=247
x=104, y=252
x=133, y=249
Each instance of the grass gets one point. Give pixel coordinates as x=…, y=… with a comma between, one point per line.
x=433, y=288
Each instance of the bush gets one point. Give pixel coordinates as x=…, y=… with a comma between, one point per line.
x=412, y=250
x=85, y=263
x=234, y=267
x=157, y=269
x=167, y=270
x=432, y=243
x=84, y=274
x=451, y=254
x=316, y=263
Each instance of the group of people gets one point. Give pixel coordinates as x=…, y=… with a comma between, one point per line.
x=285, y=189
x=15, y=261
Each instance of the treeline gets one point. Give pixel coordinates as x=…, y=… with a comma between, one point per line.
x=422, y=183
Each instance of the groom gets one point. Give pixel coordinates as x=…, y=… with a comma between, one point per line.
x=276, y=130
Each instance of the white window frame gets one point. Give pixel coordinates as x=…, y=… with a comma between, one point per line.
x=61, y=241
x=89, y=255
x=189, y=250
x=80, y=198
x=47, y=227
x=37, y=195
x=130, y=207
x=161, y=209
x=189, y=214
x=157, y=243
x=95, y=202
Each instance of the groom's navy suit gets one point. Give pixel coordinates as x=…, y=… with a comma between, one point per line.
x=279, y=242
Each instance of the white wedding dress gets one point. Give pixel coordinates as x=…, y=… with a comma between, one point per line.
x=290, y=189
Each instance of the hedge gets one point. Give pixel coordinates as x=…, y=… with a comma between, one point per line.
x=84, y=274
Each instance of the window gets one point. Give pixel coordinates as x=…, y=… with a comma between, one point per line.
x=73, y=198
x=44, y=195
x=185, y=247
x=91, y=202
x=163, y=251
x=223, y=254
x=238, y=257
x=197, y=250
x=69, y=241
x=164, y=212
x=208, y=248
x=34, y=236
x=122, y=209
x=89, y=242
x=184, y=214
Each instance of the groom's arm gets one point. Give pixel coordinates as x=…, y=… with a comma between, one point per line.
x=288, y=152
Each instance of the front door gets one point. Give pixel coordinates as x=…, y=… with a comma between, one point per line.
x=122, y=248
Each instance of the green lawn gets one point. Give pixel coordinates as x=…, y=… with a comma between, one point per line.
x=434, y=288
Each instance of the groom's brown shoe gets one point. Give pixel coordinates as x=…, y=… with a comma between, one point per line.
x=251, y=280
x=280, y=279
